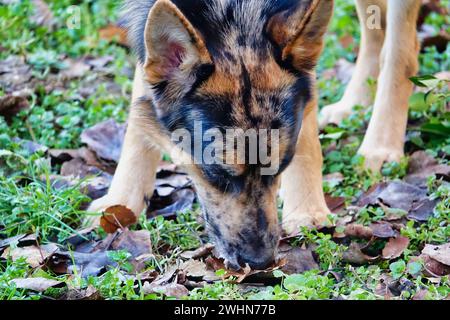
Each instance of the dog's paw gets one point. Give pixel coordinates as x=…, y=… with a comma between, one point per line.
x=291, y=225
x=334, y=114
x=99, y=206
x=375, y=156
x=95, y=211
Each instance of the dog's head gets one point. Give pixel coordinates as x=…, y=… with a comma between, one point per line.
x=215, y=66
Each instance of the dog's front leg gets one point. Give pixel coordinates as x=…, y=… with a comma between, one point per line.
x=384, y=140
x=304, y=201
x=372, y=18
x=134, y=179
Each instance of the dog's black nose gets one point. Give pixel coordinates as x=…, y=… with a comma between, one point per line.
x=257, y=262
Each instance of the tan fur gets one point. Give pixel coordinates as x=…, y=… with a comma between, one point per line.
x=301, y=184
x=135, y=175
x=165, y=13
x=385, y=136
x=301, y=36
x=367, y=66
x=395, y=63
x=304, y=202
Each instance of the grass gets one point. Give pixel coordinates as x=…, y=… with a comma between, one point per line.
x=31, y=202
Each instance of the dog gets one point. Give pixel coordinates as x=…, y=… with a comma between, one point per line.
x=250, y=65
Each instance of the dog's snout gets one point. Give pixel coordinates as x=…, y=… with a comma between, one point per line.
x=257, y=262
x=257, y=248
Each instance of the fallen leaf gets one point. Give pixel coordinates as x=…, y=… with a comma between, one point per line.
x=100, y=63
x=168, y=206
x=198, y=253
x=198, y=270
x=440, y=41
x=358, y=231
x=84, y=264
x=346, y=41
x=393, y=214
x=42, y=16
x=15, y=77
x=423, y=210
x=239, y=276
x=96, y=260
x=421, y=294
x=90, y=293
x=383, y=230
x=60, y=156
x=421, y=166
x=439, y=253
x=354, y=255
x=30, y=147
x=169, y=290
x=12, y=240
x=335, y=204
x=400, y=195
x=74, y=69
x=105, y=139
x=297, y=260
x=434, y=268
x=383, y=287
x=117, y=217
x=395, y=247
x=137, y=243
x=33, y=255
x=36, y=284
x=10, y=106
x=334, y=178
x=77, y=168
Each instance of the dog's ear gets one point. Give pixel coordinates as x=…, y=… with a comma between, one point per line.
x=299, y=33
x=173, y=47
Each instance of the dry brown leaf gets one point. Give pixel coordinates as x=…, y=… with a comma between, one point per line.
x=395, y=247
x=439, y=253
x=117, y=217
x=358, y=231
x=199, y=270
x=354, y=255
x=34, y=255
x=421, y=166
x=297, y=260
x=94, y=260
x=434, y=268
x=12, y=105
x=383, y=230
x=335, y=204
x=383, y=287
x=75, y=69
x=36, y=284
x=198, y=253
x=90, y=293
x=242, y=274
x=105, y=139
x=421, y=295
x=137, y=243
x=170, y=290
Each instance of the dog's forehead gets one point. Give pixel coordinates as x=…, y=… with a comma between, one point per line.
x=247, y=70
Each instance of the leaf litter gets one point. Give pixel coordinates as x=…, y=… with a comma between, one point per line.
x=88, y=253
x=92, y=257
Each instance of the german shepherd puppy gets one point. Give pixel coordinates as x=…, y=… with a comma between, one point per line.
x=245, y=65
